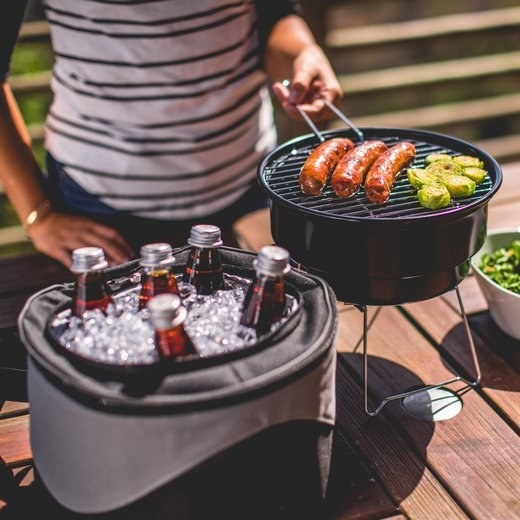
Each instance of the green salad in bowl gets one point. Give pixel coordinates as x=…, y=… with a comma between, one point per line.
x=497, y=268
x=503, y=266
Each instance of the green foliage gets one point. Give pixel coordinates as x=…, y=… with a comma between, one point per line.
x=27, y=58
x=31, y=57
x=17, y=248
x=34, y=107
x=8, y=216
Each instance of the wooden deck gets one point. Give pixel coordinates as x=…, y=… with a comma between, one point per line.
x=391, y=465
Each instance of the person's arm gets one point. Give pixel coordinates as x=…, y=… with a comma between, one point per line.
x=269, y=12
x=292, y=53
x=18, y=167
x=52, y=233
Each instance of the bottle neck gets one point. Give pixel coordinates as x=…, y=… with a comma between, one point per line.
x=173, y=341
x=204, y=270
x=264, y=303
x=156, y=280
x=90, y=292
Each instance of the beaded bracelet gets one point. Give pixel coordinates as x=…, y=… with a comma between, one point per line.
x=41, y=210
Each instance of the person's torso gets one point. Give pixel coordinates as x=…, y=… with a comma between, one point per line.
x=160, y=107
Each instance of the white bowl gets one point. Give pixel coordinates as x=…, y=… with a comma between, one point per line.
x=504, y=305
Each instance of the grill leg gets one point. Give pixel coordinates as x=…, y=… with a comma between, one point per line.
x=367, y=325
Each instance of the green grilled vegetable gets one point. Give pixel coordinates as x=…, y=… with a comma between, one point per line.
x=443, y=167
x=475, y=174
x=468, y=161
x=434, y=196
x=503, y=266
x=418, y=177
x=458, y=185
x=459, y=176
x=437, y=156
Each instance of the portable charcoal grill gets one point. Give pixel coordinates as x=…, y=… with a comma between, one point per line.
x=379, y=254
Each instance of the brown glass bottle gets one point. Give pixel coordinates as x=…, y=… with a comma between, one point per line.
x=203, y=268
x=90, y=290
x=265, y=301
x=157, y=278
x=167, y=315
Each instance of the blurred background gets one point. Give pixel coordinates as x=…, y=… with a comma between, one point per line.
x=449, y=67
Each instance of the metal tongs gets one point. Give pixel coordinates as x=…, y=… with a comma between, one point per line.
x=286, y=83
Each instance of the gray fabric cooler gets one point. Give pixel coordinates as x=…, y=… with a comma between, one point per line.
x=247, y=435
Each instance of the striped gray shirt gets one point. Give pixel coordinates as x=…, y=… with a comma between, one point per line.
x=160, y=107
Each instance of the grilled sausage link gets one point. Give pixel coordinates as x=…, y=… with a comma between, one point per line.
x=382, y=174
x=351, y=169
x=321, y=162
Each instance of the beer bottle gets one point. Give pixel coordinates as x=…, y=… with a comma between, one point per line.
x=265, y=300
x=203, y=268
x=157, y=278
x=90, y=289
x=167, y=315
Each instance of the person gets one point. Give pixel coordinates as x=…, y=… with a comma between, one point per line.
x=160, y=116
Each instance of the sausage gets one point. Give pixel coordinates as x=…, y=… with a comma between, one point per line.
x=382, y=174
x=350, y=172
x=321, y=162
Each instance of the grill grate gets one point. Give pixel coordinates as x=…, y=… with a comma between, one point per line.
x=279, y=173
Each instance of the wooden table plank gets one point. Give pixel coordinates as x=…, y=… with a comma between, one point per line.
x=503, y=216
x=353, y=491
x=468, y=451
x=503, y=208
x=20, y=277
x=14, y=440
x=500, y=382
x=472, y=297
x=411, y=484
x=25, y=274
x=10, y=408
x=510, y=189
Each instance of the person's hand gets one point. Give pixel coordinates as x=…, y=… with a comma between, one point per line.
x=58, y=234
x=313, y=78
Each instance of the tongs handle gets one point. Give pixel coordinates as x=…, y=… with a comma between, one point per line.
x=286, y=83
x=343, y=117
x=310, y=122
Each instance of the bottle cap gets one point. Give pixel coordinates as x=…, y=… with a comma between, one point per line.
x=88, y=259
x=272, y=260
x=156, y=254
x=166, y=311
x=205, y=235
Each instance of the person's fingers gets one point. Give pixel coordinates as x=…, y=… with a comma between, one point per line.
x=313, y=81
x=280, y=91
x=60, y=234
x=115, y=252
x=116, y=248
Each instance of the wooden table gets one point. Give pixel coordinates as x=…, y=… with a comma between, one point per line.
x=392, y=464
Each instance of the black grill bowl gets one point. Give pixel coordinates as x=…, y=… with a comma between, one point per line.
x=378, y=254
